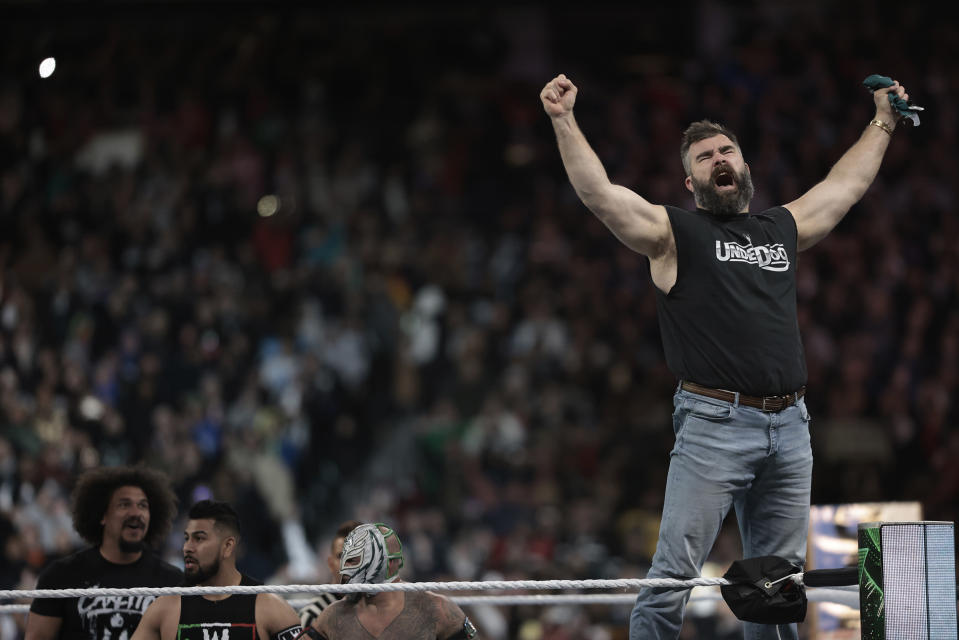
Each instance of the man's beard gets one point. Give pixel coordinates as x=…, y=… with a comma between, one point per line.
x=128, y=546
x=726, y=203
x=201, y=574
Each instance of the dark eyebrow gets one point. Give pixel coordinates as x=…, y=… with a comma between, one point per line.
x=722, y=149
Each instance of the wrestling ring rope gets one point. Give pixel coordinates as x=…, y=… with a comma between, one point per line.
x=848, y=596
x=670, y=583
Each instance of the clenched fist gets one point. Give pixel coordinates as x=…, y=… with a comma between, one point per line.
x=558, y=96
x=884, y=109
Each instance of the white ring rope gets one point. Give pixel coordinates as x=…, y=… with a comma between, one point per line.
x=671, y=583
x=848, y=596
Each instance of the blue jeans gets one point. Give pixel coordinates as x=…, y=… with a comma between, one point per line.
x=727, y=455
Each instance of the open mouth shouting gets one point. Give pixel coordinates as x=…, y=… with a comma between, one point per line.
x=723, y=177
x=726, y=191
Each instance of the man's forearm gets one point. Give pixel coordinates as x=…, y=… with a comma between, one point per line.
x=857, y=168
x=586, y=172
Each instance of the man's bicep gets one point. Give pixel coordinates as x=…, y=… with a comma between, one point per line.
x=816, y=212
x=453, y=623
x=639, y=224
x=42, y=627
x=281, y=620
x=286, y=625
x=149, y=626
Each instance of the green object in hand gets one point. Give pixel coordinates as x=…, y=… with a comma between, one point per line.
x=903, y=108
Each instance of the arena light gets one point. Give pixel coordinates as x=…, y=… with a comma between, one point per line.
x=268, y=206
x=47, y=67
x=91, y=408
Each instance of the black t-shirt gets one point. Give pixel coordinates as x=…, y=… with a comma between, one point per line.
x=101, y=617
x=730, y=320
x=232, y=618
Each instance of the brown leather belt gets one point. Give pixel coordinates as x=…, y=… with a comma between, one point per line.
x=765, y=403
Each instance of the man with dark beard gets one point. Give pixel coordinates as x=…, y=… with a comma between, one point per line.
x=122, y=511
x=725, y=282
x=209, y=558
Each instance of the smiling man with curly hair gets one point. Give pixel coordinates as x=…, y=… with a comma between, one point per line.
x=122, y=512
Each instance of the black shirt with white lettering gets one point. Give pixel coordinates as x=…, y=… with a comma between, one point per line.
x=730, y=320
x=101, y=617
x=231, y=618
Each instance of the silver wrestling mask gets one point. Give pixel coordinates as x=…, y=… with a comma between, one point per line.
x=367, y=557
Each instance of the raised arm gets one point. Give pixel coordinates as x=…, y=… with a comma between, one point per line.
x=821, y=208
x=640, y=225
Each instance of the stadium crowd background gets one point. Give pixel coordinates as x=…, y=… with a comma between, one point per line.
x=430, y=329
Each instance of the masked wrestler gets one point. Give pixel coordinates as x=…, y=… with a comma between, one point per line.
x=373, y=554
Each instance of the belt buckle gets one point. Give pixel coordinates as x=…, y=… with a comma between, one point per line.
x=780, y=402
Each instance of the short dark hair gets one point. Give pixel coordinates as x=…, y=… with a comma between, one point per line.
x=700, y=130
x=344, y=529
x=222, y=514
x=91, y=498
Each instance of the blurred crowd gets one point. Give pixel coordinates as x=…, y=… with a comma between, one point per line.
x=327, y=265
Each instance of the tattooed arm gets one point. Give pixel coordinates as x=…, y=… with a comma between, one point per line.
x=451, y=622
x=321, y=623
